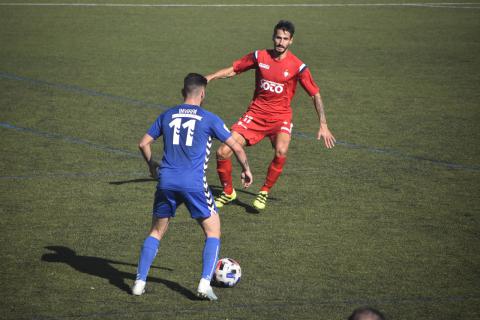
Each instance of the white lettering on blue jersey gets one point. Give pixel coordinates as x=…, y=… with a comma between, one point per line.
x=180, y=115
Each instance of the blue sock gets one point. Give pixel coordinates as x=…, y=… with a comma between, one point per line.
x=147, y=255
x=210, y=255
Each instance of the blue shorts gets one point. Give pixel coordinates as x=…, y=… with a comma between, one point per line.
x=199, y=204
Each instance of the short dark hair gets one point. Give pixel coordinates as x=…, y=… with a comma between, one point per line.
x=192, y=82
x=284, y=25
x=364, y=312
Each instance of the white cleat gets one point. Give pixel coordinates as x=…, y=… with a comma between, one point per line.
x=205, y=290
x=138, y=287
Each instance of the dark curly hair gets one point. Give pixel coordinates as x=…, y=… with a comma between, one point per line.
x=284, y=25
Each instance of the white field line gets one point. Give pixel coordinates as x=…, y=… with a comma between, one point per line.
x=449, y=5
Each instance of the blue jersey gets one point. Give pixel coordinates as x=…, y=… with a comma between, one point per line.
x=187, y=132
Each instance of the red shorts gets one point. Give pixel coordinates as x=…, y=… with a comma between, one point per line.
x=254, y=128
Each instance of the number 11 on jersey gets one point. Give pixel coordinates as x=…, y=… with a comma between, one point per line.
x=177, y=125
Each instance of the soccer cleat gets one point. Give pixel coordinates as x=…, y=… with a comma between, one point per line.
x=205, y=290
x=138, y=287
x=261, y=201
x=224, y=199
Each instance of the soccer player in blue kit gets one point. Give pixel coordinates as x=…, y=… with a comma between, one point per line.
x=187, y=131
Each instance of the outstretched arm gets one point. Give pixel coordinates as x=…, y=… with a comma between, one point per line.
x=237, y=148
x=221, y=74
x=323, y=131
x=145, y=148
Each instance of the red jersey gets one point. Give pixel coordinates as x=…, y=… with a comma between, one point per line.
x=275, y=81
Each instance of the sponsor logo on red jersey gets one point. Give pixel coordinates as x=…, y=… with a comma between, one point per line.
x=271, y=86
x=264, y=66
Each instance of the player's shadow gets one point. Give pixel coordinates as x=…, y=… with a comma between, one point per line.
x=141, y=180
x=103, y=268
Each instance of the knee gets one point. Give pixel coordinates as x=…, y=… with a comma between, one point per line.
x=213, y=231
x=158, y=228
x=281, y=152
x=211, y=226
x=224, y=152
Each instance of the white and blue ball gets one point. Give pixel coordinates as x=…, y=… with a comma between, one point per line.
x=227, y=272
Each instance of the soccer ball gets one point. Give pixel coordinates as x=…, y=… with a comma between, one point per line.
x=227, y=272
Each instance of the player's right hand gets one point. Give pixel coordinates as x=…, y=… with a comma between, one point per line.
x=247, y=178
x=153, y=166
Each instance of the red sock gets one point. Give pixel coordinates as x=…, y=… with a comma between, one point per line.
x=224, y=170
x=274, y=171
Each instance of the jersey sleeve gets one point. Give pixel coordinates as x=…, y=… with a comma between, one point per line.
x=155, y=130
x=219, y=129
x=306, y=80
x=245, y=63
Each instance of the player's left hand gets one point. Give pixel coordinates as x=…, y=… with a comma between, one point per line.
x=247, y=178
x=327, y=136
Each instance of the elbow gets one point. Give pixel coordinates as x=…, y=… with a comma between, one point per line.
x=229, y=72
x=142, y=144
x=145, y=142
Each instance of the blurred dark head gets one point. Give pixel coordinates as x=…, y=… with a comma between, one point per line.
x=366, y=313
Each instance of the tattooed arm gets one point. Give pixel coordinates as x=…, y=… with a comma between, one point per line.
x=323, y=131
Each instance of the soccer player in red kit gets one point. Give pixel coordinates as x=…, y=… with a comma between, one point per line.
x=269, y=114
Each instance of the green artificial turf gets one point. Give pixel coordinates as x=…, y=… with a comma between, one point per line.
x=388, y=218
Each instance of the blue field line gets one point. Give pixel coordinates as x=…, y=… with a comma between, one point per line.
x=74, y=140
x=127, y=100
x=85, y=91
x=397, y=154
